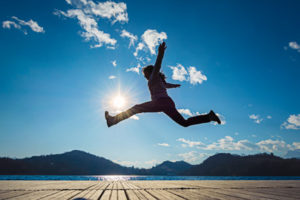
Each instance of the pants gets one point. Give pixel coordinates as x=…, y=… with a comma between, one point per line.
x=165, y=105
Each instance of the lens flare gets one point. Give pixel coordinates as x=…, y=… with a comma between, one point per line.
x=119, y=101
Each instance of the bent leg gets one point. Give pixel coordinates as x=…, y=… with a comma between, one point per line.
x=149, y=106
x=177, y=117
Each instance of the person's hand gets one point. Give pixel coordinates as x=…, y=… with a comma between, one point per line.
x=162, y=47
x=177, y=85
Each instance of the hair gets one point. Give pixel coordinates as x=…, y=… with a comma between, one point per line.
x=149, y=69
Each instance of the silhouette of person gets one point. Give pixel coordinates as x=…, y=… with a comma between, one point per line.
x=161, y=102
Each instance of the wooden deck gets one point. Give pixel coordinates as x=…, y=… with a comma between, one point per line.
x=135, y=190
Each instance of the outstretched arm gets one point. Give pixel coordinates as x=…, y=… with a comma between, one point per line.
x=170, y=85
x=161, y=51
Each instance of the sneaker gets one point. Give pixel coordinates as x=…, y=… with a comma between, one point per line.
x=109, y=119
x=214, y=117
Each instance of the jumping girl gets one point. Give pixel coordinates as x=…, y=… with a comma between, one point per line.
x=161, y=102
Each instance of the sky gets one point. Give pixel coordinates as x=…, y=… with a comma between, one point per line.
x=64, y=62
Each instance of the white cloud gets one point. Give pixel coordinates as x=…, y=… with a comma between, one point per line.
x=87, y=12
x=196, y=76
x=294, y=45
x=112, y=77
x=135, y=117
x=108, y=9
x=186, y=112
x=32, y=24
x=190, y=143
x=192, y=74
x=139, y=48
x=273, y=145
x=192, y=156
x=18, y=24
x=131, y=37
x=151, y=163
x=152, y=38
x=90, y=26
x=256, y=118
x=127, y=163
x=163, y=144
x=293, y=122
x=114, y=63
x=9, y=24
x=134, y=69
x=179, y=72
x=147, y=164
x=296, y=145
x=229, y=144
x=269, y=117
x=226, y=143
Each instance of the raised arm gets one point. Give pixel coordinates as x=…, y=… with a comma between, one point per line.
x=170, y=85
x=161, y=51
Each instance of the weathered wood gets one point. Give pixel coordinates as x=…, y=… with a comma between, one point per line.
x=153, y=190
x=191, y=194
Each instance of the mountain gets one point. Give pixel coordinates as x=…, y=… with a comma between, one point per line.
x=170, y=168
x=293, y=154
x=253, y=165
x=81, y=163
x=69, y=163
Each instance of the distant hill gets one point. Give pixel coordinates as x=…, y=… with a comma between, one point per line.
x=253, y=165
x=70, y=163
x=81, y=163
x=170, y=168
x=293, y=154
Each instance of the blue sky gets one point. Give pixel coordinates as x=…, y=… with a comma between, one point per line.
x=63, y=63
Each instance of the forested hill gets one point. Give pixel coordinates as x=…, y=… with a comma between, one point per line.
x=253, y=165
x=82, y=163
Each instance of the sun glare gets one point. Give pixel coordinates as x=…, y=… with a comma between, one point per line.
x=119, y=101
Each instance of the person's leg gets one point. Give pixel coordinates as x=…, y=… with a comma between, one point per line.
x=150, y=106
x=177, y=117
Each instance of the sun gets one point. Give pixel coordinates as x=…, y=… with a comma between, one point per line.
x=119, y=101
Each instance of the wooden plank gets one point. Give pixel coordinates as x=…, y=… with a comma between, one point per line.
x=65, y=194
x=82, y=194
x=146, y=195
x=213, y=194
x=258, y=193
x=166, y=195
x=12, y=194
x=3, y=191
x=35, y=195
x=114, y=195
x=95, y=195
x=132, y=195
x=121, y=195
x=106, y=195
x=191, y=194
x=240, y=193
x=284, y=192
x=140, y=190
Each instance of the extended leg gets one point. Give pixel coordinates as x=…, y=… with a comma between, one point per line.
x=139, y=108
x=177, y=117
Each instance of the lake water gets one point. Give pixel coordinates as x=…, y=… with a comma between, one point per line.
x=121, y=177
